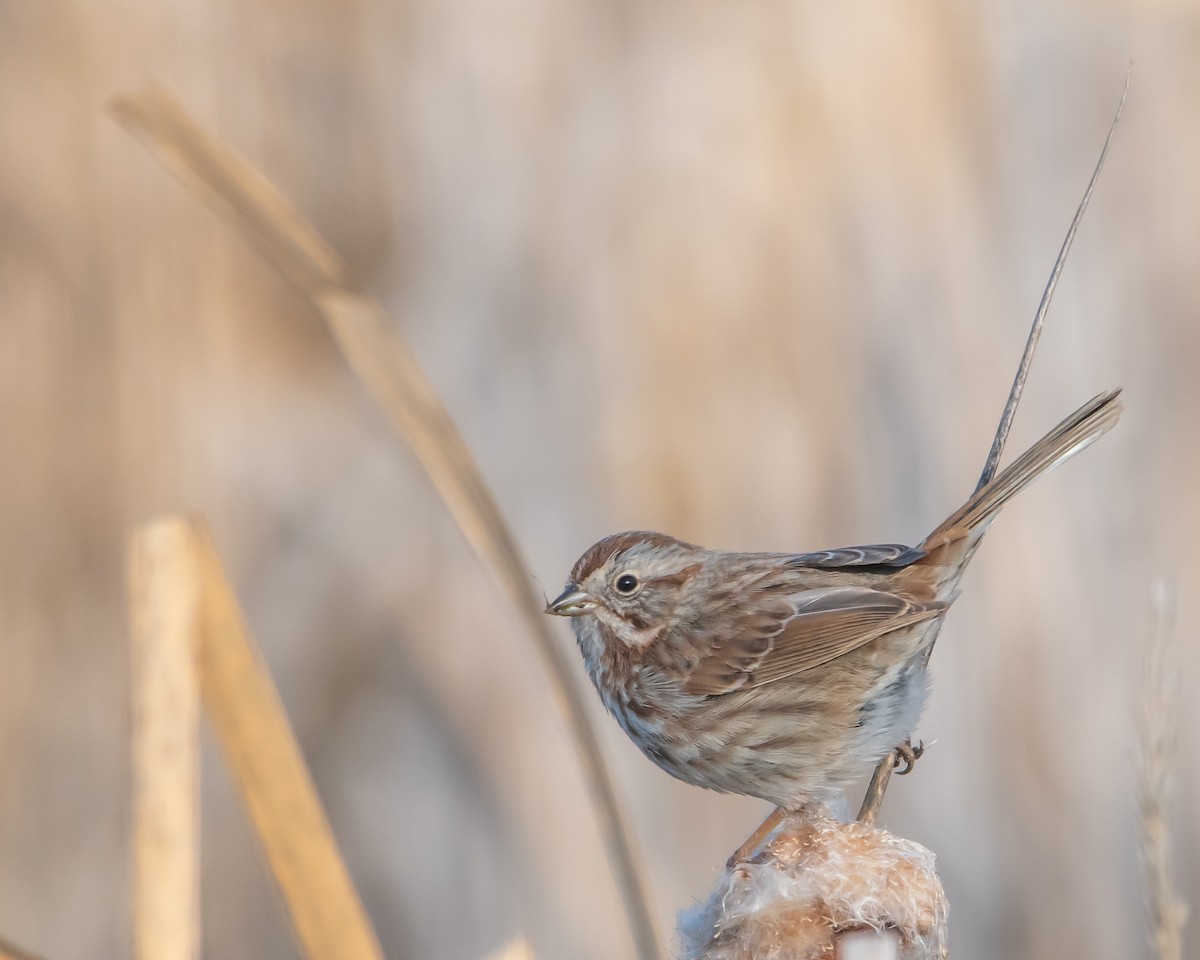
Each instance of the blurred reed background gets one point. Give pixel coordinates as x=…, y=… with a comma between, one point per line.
x=756, y=274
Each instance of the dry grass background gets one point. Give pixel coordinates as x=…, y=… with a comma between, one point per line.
x=753, y=273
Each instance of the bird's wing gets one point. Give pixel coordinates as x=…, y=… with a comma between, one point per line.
x=873, y=555
x=778, y=635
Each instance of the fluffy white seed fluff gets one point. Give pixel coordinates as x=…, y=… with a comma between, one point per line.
x=817, y=881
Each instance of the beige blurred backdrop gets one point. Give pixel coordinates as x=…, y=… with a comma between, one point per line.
x=753, y=273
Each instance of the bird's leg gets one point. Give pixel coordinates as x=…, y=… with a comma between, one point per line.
x=873, y=798
x=746, y=850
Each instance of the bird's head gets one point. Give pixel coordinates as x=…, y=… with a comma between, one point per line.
x=633, y=583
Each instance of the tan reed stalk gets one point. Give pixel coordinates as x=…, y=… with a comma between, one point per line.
x=1166, y=912
x=392, y=376
x=164, y=605
x=187, y=625
x=241, y=701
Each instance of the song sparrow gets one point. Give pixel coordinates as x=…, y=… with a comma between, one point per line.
x=783, y=676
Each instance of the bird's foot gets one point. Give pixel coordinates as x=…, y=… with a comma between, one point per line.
x=909, y=754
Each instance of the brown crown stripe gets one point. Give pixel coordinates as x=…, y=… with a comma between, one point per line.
x=599, y=553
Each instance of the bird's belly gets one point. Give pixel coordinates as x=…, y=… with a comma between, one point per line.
x=786, y=743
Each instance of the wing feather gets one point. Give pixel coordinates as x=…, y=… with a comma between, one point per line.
x=791, y=633
x=872, y=555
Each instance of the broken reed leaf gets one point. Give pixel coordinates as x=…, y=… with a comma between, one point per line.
x=882, y=775
x=391, y=374
x=164, y=605
x=992, y=463
x=271, y=776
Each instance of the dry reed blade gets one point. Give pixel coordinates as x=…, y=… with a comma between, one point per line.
x=1039, y=318
x=1156, y=764
x=393, y=377
x=883, y=772
x=262, y=754
x=164, y=605
x=230, y=184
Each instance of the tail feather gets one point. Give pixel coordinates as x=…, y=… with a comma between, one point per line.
x=1079, y=430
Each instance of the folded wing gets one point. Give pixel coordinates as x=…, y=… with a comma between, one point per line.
x=786, y=634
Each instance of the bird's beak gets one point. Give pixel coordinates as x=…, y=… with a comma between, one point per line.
x=572, y=602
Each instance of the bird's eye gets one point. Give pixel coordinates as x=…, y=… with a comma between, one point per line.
x=627, y=583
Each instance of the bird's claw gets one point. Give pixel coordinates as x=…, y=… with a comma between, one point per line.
x=909, y=754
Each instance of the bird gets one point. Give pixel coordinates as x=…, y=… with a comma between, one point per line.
x=784, y=676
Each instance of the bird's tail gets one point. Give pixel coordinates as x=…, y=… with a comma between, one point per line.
x=1079, y=430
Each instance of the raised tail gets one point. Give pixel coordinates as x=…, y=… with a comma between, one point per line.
x=1082, y=428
